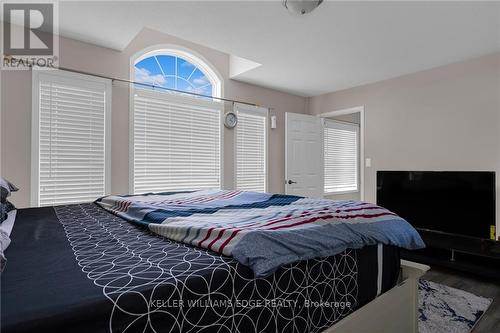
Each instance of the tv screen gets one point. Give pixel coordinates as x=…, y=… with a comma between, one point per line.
x=452, y=202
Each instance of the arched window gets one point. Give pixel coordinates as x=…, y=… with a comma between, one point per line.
x=176, y=138
x=177, y=69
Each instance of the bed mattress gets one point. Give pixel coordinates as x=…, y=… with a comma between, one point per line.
x=79, y=268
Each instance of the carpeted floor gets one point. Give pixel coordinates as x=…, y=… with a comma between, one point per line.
x=443, y=309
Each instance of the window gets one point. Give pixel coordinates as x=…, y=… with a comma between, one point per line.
x=341, y=151
x=176, y=143
x=251, y=148
x=177, y=70
x=176, y=138
x=71, y=140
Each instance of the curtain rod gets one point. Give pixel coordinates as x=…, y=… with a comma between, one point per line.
x=150, y=85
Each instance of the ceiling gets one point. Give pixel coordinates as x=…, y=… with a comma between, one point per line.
x=338, y=46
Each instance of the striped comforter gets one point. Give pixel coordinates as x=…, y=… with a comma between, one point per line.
x=262, y=230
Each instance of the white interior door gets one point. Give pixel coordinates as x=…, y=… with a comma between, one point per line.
x=304, y=155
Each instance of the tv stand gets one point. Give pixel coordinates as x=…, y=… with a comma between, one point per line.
x=469, y=254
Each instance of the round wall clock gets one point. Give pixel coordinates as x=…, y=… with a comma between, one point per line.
x=230, y=119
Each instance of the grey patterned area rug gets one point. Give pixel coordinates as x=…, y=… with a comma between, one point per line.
x=443, y=309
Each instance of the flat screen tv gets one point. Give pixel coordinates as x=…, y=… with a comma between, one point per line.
x=447, y=201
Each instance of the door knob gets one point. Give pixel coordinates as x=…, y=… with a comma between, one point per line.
x=290, y=182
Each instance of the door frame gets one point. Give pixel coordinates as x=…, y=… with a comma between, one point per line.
x=361, y=111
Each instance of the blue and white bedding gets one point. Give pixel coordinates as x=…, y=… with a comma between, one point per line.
x=261, y=230
x=98, y=273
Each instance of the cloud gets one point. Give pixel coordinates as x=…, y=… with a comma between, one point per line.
x=200, y=81
x=142, y=75
x=199, y=90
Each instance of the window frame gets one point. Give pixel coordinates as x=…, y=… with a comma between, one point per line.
x=258, y=111
x=358, y=157
x=62, y=75
x=188, y=55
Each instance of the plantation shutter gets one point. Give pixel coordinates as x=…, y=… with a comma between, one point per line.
x=251, y=148
x=70, y=138
x=177, y=142
x=341, y=141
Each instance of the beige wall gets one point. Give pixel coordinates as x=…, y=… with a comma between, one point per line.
x=16, y=110
x=441, y=119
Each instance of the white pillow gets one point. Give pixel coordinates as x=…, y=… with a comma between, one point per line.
x=5, y=230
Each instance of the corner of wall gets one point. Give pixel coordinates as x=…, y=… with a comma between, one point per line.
x=306, y=105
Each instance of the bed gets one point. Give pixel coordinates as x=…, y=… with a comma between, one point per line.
x=85, y=268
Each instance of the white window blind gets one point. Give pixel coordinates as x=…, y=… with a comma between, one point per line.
x=341, y=150
x=177, y=142
x=70, y=138
x=251, y=148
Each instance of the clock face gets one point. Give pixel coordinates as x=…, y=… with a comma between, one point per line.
x=230, y=120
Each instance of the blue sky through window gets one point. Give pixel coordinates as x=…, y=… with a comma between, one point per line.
x=172, y=72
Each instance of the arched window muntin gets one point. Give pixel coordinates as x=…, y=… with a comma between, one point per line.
x=188, y=68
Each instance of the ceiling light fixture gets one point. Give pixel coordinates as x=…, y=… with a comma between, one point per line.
x=301, y=7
